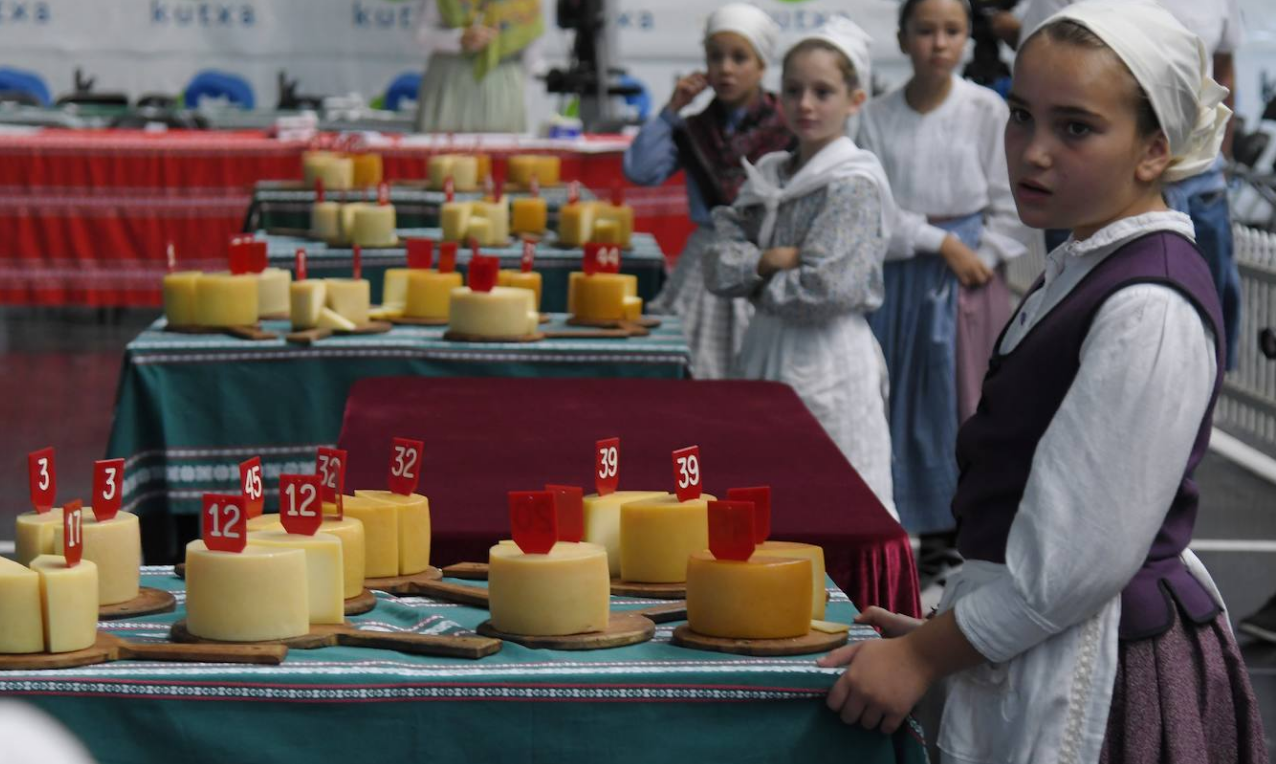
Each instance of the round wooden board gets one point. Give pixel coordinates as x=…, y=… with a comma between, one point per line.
x=622, y=629
x=813, y=642
x=403, y=584
x=319, y=636
x=410, y=321
x=361, y=603
x=146, y=602
x=100, y=652
x=652, y=591
x=453, y=336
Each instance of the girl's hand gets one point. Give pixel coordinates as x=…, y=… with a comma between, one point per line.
x=777, y=259
x=963, y=261
x=476, y=38
x=889, y=624
x=884, y=679
x=687, y=89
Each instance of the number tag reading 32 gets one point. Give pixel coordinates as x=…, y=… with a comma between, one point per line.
x=108, y=475
x=686, y=473
x=300, y=505
x=331, y=466
x=405, y=465
x=224, y=524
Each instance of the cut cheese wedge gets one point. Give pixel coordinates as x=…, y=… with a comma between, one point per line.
x=330, y=319
x=222, y=299
x=273, y=292
x=602, y=521
x=115, y=546
x=567, y=591
x=324, y=570
x=307, y=300
x=349, y=297
x=806, y=552
x=34, y=533
x=380, y=532
x=414, y=528
x=325, y=221
x=21, y=619
x=762, y=598
x=658, y=535
x=353, y=546
x=258, y=594
x=829, y=627
x=68, y=602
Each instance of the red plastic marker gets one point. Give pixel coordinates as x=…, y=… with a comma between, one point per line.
x=569, y=511
x=449, y=189
x=447, y=257
x=301, y=263
x=319, y=193
x=300, y=505
x=420, y=253
x=73, y=533
x=250, y=483
x=239, y=256
x=686, y=473
x=405, y=465
x=529, y=256
x=108, y=488
x=600, y=258
x=573, y=192
x=43, y=479
x=606, y=466
x=532, y=521
x=760, y=498
x=356, y=262
x=331, y=466
x=383, y=193
x=534, y=186
x=499, y=192
x=258, y=256
x=731, y=530
x=170, y=256
x=223, y=522
x=483, y=273
x=617, y=194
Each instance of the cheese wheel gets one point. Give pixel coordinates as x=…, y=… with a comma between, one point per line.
x=325, y=584
x=374, y=226
x=325, y=221
x=575, y=223
x=258, y=594
x=394, y=288
x=566, y=591
x=762, y=598
x=550, y=169
x=454, y=219
x=497, y=215
x=380, y=532
x=222, y=299
x=21, y=620
x=502, y=312
x=34, y=534
x=805, y=552
x=430, y=293
x=336, y=174
x=601, y=297
x=529, y=216
x=602, y=521
x=273, y=294
x=68, y=603
x=115, y=546
x=465, y=173
x=311, y=160
x=179, y=297
x=658, y=535
x=349, y=297
x=622, y=217
x=347, y=529
x=306, y=301
x=367, y=169
x=439, y=169
x=348, y=211
x=414, y=528
x=519, y=280
x=521, y=168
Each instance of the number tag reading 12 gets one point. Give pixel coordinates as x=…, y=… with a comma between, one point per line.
x=108, y=474
x=300, y=506
x=73, y=533
x=250, y=484
x=686, y=473
x=224, y=525
x=760, y=496
x=533, y=521
x=731, y=529
x=405, y=465
x=43, y=479
x=331, y=466
x=606, y=466
x=569, y=511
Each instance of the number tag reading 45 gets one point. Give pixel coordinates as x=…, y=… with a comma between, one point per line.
x=331, y=466
x=686, y=473
x=224, y=524
x=405, y=465
x=108, y=474
x=300, y=505
x=250, y=483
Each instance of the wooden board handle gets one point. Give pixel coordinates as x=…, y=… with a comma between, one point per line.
x=675, y=611
x=474, y=596
x=263, y=655
x=474, y=571
x=421, y=644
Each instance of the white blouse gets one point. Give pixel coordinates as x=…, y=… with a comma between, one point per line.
x=947, y=163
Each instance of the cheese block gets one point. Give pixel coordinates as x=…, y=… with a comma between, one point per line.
x=258, y=594
x=502, y=312
x=658, y=535
x=830, y=627
x=34, y=534
x=68, y=603
x=606, y=232
x=367, y=169
x=380, y=533
x=394, y=288
x=347, y=529
x=454, y=219
x=325, y=221
x=374, y=226
x=115, y=546
x=222, y=299
x=306, y=301
x=179, y=297
x=631, y=308
x=601, y=297
x=806, y=552
x=575, y=223
x=482, y=166
x=430, y=293
x=349, y=297
x=414, y=528
x=602, y=521
x=311, y=161
x=622, y=216
x=497, y=215
x=762, y=598
x=549, y=169
x=331, y=319
x=348, y=211
x=21, y=620
x=386, y=312
x=336, y=174
x=465, y=175
x=529, y=216
x=522, y=167
x=324, y=570
x=272, y=292
x=521, y=280
x=438, y=169
x=480, y=230
x=567, y=591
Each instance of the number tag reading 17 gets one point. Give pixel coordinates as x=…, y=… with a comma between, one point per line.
x=300, y=505
x=405, y=465
x=224, y=524
x=250, y=484
x=43, y=479
x=331, y=466
x=606, y=466
x=731, y=529
x=533, y=521
x=73, y=533
x=108, y=475
x=686, y=473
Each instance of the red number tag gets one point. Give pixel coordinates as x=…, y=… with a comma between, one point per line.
x=606, y=466
x=258, y=256
x=617, y=194
x=731, y=530
x=449, y=189
x=43, y=479
x=447, y=257
x=532, y=521
x=239, y=256
x=251, y=485
x=483, y=273
x=300, y=503
x=108, y=488
x=760, y=497
x=405, y=465
x=331, y=466
x=224, y=528
x=601, y=258
x=686, y=473
x=170, y=256
x=529, y=256
x=499, y=190
x=573, y=192
x=356, y=262
x=73, y=533
x=301, y=263
x=569, y=511
x=318, y=189
x=420, y=253
x=383, y=193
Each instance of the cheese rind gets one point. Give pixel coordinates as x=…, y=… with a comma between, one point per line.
x=575, y=223
x=68, y=603
x=497, y=215
x=520, y=280
x=658, y=535
x=306, y=300
x=349, y=297
x=564, y=592
x=21, y=618
x=622, y=217
x=430, y=293
x=273, y=289
x=805, y=552
x=258, y=594
x=414, y=528
x=602, y=521
x=179, y=297
x=374, y=226
x=222, y=299
x=762, y=598
x=502, y=312
x=330, y=319
x=34, y=532
x=115, y=546
x=380, y=532
x=324, y=570
x=602, y=296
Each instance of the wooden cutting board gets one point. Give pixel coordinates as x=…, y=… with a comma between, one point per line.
x=111, y=648
x=477, y=596
x=813, y=642
x=455, y=336
x=322, y=635
x=403, y=584
x=623, y=629
x=147, y=602
x=255, y=333
x=311, y=336
x=363, y=602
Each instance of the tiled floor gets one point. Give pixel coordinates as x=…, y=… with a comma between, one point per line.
x=58, y=372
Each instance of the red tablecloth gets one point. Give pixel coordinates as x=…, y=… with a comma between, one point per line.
x=85, y=215
x=485, y=437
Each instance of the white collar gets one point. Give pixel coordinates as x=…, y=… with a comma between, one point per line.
x=1089, y=252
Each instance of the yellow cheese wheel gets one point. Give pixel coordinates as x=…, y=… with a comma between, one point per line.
x=465, y=175
x=658, y=535
x=439, y=169
x=258, y=594
x=222, y=299
x=575, y=223
x=602, y=521
x=805, y=552
x=34, y=534
x=335, y=170
x=367, y=169
x=324, y=570
x=497, y=215
x=325, y=221
x=307, y=299
x=520, y=280
x=273, y=292
x=115, y=546
x=521, y=168
x=349, y=297
x=353, y=546
x=549, y=169
x=68, y=602
x=430, y=293
x=567, y=591
x=414, y=528
x=601, y=297
x=374, y=226
x=380, y=532
x=454, y=219
x=529, y=215
x=21, y=620
x=394, y=288
x=179, y=297
x=311, y=160
x=763, y=598
x=502, y=312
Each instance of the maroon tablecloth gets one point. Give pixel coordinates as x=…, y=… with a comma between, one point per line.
x=485, y=437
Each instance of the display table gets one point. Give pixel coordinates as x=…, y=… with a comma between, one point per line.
x=485, y=437
x=342, y=704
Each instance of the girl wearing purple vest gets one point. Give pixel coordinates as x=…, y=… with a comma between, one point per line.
x=1081, y=628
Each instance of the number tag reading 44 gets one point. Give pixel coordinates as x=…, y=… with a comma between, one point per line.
x=108, y=474
x=224, y=524
x=73, y=533
x=607, y=466
x=405, y=465
x=331, y=466
x=300, y=505
x=686, y=473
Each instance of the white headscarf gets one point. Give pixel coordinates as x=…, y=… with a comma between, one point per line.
x=750, y=22
x=853, y=41
x=1170, y=63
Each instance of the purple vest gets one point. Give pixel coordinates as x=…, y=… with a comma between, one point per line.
x=1021, y=393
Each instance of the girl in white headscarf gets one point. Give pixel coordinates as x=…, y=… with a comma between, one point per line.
x=804, y=242
x=1082, y=628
